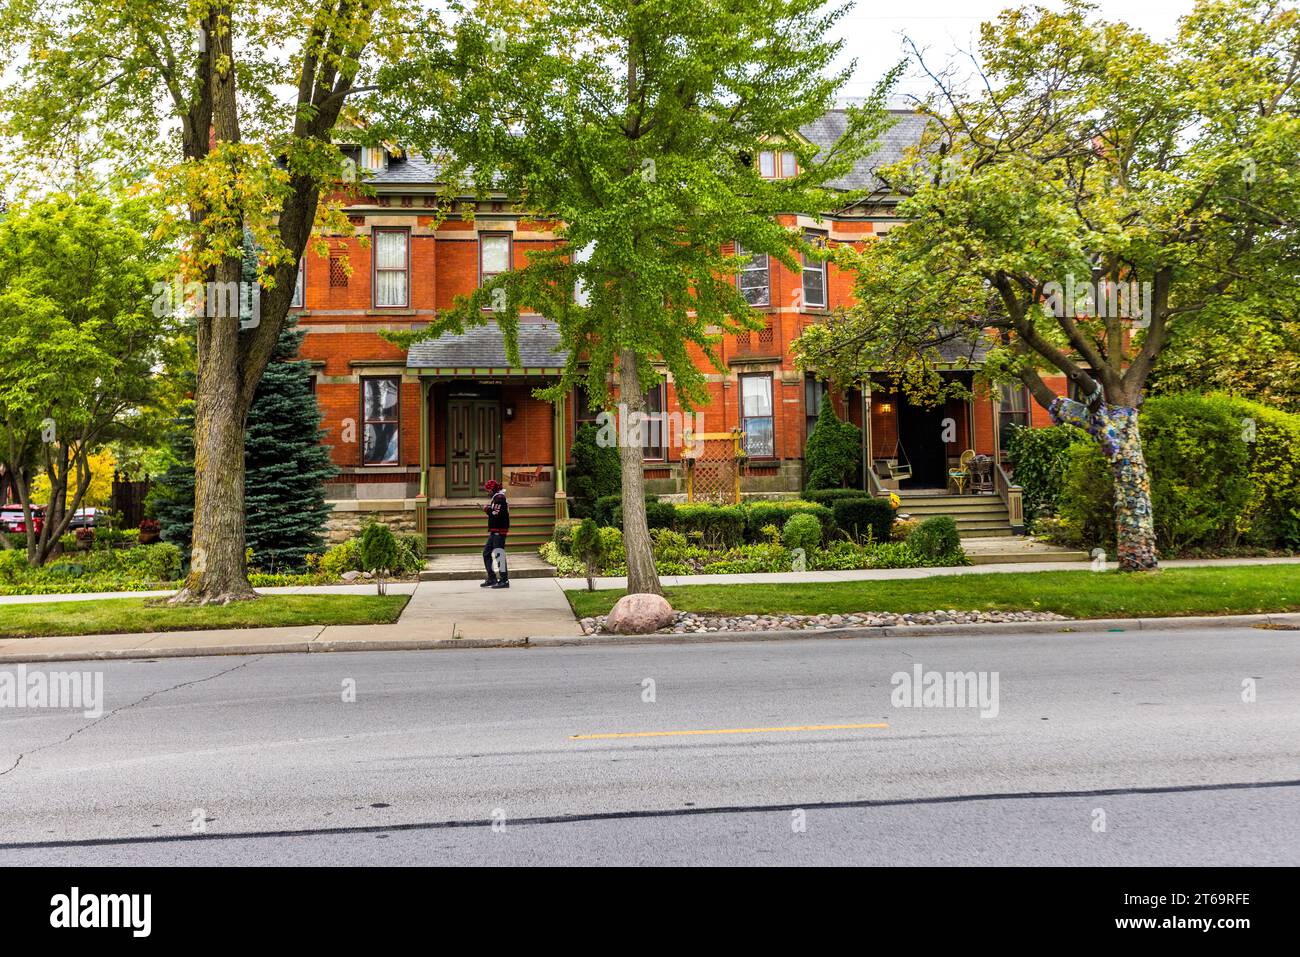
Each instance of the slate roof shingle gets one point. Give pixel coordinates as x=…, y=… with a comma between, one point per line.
x=483, y=347
x=416, y=170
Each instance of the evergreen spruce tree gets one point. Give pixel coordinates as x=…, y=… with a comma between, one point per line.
x=286, y=467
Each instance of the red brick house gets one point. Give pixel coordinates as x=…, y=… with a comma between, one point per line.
x=416, y=433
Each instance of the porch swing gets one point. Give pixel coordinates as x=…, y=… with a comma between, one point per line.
x=899, y=472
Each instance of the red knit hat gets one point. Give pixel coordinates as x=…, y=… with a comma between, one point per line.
x=492, y=485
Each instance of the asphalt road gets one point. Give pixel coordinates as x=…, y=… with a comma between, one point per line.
x=1119, y=748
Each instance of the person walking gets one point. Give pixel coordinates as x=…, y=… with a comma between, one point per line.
x=498, y=521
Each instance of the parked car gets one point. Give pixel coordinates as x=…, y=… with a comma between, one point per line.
x=87, y=518
x=12, y=520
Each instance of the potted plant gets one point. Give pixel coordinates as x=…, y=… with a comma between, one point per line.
x=150, y=530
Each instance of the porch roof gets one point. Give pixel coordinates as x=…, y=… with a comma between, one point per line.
x=482, y=350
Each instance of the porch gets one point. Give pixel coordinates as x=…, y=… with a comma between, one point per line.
x=479, y=420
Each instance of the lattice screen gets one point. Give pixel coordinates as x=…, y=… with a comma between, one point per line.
x=715, y=476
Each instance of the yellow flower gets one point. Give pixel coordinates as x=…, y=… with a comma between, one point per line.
x=894, y=500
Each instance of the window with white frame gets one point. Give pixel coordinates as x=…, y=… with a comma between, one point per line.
x=652, y=424
x=494, y=255
x=777, y=164
x=756, y=415
x=392, y=264
x=754, y=280
x=814, y=273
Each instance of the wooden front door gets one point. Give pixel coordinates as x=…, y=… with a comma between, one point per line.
x=473, y=445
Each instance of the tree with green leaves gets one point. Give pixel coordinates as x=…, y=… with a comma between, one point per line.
x=192, y=92
x=81, y=353
x=285, y=465
x=1090, y=195
x=634, y=125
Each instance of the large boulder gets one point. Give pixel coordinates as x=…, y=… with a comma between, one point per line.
x=639, y=615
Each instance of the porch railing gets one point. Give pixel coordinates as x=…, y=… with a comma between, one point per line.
x=1012, y=497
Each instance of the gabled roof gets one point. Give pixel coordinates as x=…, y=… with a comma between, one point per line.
x=482, y=347
x=414, y=170
x=894, y=142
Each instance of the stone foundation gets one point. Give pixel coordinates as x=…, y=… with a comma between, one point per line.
x=348, y=517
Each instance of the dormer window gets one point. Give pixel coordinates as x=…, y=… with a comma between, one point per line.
x=773, y=164
x=374, y=159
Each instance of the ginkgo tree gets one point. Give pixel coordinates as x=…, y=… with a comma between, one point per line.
x=634, y=125
x=1087, y=194
x=230, y=108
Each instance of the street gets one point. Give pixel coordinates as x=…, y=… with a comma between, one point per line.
x=1104, y=749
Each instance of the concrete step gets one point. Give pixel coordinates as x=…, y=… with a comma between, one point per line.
x=1022, y=556
x=1001, y=531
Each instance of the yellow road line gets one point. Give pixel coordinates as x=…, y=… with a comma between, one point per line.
x=674, y=734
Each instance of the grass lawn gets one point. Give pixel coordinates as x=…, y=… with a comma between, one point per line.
x=1225, y=590
x=113, y=615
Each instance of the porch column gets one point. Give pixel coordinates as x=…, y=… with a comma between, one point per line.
x=558, y=430
x=424, y=439
x=867, y=447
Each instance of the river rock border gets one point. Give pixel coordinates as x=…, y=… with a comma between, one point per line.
x=690, y=623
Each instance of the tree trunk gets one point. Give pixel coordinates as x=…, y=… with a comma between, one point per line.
x=641, y=575
x=1115, y=428
x=218, y=574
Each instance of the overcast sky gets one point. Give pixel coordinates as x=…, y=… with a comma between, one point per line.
x=875, y=29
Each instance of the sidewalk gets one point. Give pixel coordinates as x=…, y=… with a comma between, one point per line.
x=535, y=612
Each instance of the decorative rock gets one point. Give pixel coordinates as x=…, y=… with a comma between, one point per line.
x=685, y=622
x=350, y=576
x=639, y=614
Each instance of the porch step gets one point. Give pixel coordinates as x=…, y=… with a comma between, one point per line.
x=462, y=529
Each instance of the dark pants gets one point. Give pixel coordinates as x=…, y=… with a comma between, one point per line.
x=495, y=540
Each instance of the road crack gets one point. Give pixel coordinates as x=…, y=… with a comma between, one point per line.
x=125, y=707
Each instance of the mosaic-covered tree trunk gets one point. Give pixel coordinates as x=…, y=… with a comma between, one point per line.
x=1115, y=428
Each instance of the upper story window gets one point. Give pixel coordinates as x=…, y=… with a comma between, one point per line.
x=374, y=158
x=581, y=294
x=754, y=280
x=299, y=284
x=392, y=264
x=493, y=255
x=814, y=273
x=777, y=164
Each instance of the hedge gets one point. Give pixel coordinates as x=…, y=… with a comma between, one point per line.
x=860, y=517
x=830, y=496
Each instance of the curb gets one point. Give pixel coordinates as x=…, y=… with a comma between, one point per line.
x=1069, y=627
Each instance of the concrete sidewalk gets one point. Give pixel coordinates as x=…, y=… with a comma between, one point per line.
x=532, y=612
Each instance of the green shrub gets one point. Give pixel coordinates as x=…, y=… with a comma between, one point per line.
x=602, y=511
x=344, y=557
x=802, y=531
x=833, y=453
x=1086, y=506
x=612, y=543
x=894, y=555
x=1271, y=517
x=378, y=549
x=830, y=496
x=1038, y=458
x=760, y=513
x=935, y=539
x=565, y=565
x=594, y=474
x=589, y=548
x=863, y=517
x=657, y=514
x=720, y=526
x=411, y=554
x=1198, y=465
x=13, y=565
x=562, y=535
